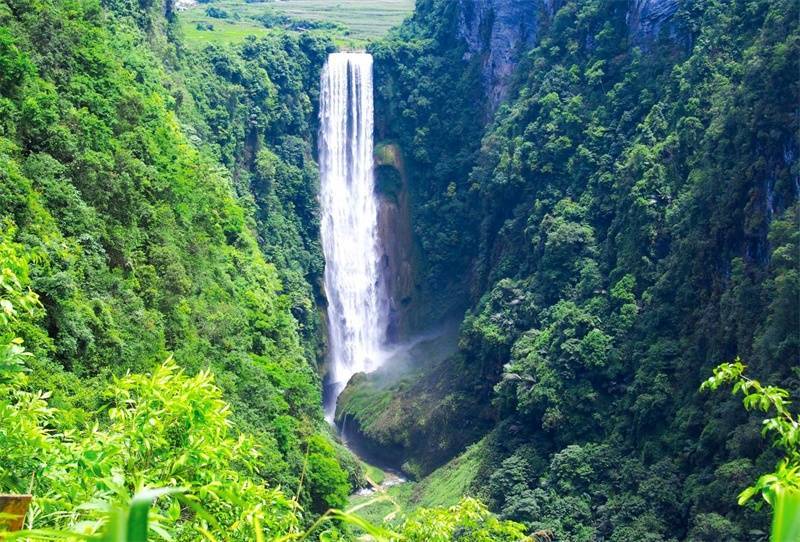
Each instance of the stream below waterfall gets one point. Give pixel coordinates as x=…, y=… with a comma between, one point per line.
x=358, y=304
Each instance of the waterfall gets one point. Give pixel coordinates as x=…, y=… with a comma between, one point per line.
x=357, y=302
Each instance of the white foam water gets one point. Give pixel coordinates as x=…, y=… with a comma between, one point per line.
x=357, y=301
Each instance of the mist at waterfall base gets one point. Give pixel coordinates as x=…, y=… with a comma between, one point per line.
x=408, y=359
x=358, y=306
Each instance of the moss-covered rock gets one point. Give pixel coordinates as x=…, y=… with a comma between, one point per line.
x=402, y=415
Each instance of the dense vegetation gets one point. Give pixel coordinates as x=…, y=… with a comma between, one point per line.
x=145, y=341
x=165, y=428
x=252, y=107
x=140, y=249
x=628, y=220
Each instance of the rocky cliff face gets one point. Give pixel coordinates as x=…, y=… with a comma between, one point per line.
x=498, y=32
x=394, y=229
x=647, y=19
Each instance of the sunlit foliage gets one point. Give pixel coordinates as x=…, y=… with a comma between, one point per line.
x=625, y=220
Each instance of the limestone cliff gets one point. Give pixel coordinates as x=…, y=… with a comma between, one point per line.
x=648, y=18
x=498, y=32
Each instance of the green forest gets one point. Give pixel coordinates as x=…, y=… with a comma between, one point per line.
x=598, y=201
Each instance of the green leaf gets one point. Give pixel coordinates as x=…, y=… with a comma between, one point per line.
x=746, y=495
x=786, y=517
x=140, y=508
x=115, y=530
x=257, y=529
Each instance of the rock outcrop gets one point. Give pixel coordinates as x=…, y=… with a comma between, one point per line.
x=498, y=32
x=401, y=415
x=394, y=229
x=648, y=18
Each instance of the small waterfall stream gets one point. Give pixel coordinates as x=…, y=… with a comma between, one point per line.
x=357, y=301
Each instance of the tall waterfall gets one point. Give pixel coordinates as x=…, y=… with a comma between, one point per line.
x=357, y=303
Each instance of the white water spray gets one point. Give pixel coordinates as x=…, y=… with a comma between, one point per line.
x=357, y=302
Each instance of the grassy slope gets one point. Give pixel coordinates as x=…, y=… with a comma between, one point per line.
x=444, y=487
x=359, y=20
x=373, y=473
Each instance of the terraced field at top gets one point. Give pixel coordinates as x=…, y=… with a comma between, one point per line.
x=352, y=22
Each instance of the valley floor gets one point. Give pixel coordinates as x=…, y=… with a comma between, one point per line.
x=393, y=498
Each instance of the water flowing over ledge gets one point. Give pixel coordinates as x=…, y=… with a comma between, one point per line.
x=357, y=301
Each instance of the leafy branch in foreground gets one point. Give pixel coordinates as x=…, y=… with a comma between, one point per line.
x=468, y=521
x=784, y=427
x=781, y=489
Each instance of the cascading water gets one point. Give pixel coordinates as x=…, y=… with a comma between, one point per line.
x=357, y=303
